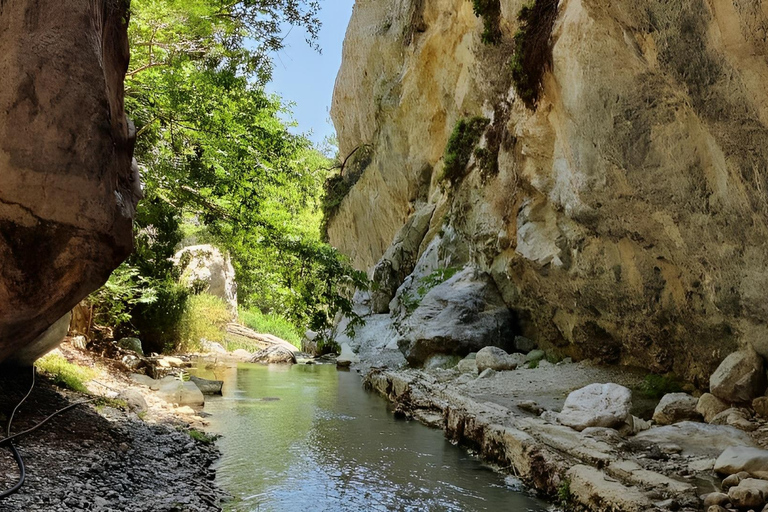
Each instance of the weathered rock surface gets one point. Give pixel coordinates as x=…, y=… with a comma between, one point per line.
x=676, y=407
x=206, y=269
x=181, y=393
x=739, y=378
x=68, y=189
x=135, y=400
x=494, y=358
x=597, y=405
x=697, y=438
x=206, y=386
x=461, y=315
x=709, y=406
x=133, y=344
x=275, y=354
x=737, y=459
x=626, y=230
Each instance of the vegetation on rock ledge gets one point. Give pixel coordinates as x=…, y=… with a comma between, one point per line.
x=533, y=48
x=490, y=11
x=461, y=146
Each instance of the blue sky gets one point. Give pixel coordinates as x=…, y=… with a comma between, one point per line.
x=305, y=77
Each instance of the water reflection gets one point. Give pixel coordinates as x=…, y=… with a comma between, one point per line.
x=326, y=444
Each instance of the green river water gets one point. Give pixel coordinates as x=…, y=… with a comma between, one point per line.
x=310, y=438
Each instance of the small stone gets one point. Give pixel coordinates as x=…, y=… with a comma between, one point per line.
x=716, y=498
x=760, y=405
x=730, y=481
x=717, y=508
x=487, y=373
x=535, y=355
x=530, y=406
x=669, y=504
x=467, y=365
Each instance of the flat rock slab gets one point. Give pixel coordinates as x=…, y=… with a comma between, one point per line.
x=743, y=458
x=696, y=438
x=596, y=492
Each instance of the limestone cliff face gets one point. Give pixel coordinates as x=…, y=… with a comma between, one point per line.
x=68, y=189
x=627, y=219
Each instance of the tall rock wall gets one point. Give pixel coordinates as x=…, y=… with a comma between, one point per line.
x=68, y=189
x=624, y=217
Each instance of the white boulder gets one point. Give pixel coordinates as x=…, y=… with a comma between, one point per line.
x=206, y=269
x=597, y=405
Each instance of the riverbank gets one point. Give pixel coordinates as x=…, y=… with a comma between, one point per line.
x=510, y=419
x=111, y=454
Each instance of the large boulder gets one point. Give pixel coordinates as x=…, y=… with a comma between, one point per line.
x=461, y=315
x=181, y=393
x=737, y=459
x=206, y=269
x=274, y=354
x=739, y=378
x=206, y=386
x=68, y=186
x=597, y=405
x=676, y=407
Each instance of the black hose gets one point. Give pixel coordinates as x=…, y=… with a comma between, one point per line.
x=14, y=451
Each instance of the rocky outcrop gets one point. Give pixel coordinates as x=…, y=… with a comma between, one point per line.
x=205, y=269
x=68, y=189
x=622, y=215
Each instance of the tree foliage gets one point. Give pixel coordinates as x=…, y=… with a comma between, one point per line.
x=213, y=149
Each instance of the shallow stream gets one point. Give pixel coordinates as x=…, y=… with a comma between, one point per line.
x=310, y=438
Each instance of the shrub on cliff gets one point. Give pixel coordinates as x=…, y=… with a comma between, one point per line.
x=533, y=48
x=461, y=145
x=490, y=11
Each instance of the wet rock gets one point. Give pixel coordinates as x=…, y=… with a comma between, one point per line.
x=461, y=315
x=676, y=407
x=134, y=399
x=495, y=359
x=597, y=405
x=710, y=406
x=737, y=459
x=716, y=498
x=740, y=377
x=207, y=387
x=133, y=344
x=760, y=405
x=273, y=355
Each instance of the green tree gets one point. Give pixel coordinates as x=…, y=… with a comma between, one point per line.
x=211, y=146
